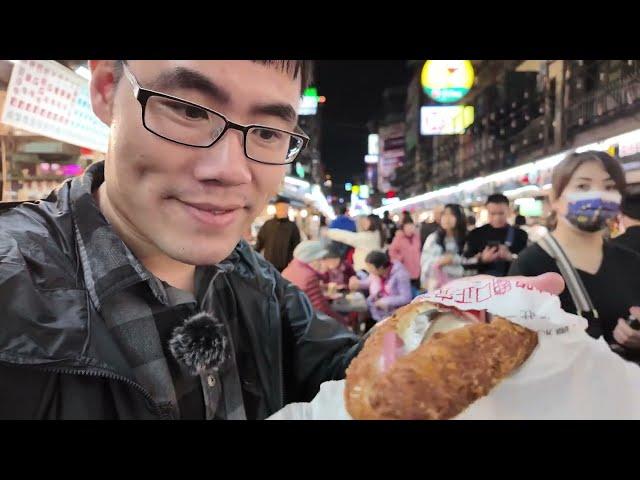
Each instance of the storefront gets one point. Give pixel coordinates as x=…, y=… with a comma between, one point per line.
x=531, y=180
x=48, y=132
x=528, y=184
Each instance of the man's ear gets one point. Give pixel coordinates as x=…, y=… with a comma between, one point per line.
x=102, y=88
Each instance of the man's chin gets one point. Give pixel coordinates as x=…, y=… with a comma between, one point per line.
x=201, y=256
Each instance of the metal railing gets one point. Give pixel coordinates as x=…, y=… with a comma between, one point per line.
x=619, y=97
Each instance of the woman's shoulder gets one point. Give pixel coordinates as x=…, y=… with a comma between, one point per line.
x=533, y=260
x=431, y=240
x=534, y=251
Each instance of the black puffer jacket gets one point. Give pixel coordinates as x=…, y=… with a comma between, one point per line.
x=58, y=361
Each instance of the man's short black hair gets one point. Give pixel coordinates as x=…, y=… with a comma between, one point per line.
x=497, y=198
x=521, y=220
x=297, y=68
x=343, y=209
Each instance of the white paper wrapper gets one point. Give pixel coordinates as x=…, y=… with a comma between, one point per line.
x=568, y=376
x=328, y=404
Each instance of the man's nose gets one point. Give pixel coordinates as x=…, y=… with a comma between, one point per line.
x=225, y=161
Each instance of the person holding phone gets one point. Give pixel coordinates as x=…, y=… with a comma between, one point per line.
x=496, y=244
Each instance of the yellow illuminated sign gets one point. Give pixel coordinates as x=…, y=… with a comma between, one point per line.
x=447, y=81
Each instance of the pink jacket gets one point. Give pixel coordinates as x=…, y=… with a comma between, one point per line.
x=308, y=280
x=407, y=251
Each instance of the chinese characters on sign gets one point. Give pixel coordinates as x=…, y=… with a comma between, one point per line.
x=477, y=293
x=451, y=120
x=46, y=98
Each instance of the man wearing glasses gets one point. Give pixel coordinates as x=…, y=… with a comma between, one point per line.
x=128, y=292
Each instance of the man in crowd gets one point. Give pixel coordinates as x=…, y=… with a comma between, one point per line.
x=497, y=243
x=389, y=226
x=427, y=228
x=279, y=236
x=630, y=219
x=129, y=293
x=343, y=222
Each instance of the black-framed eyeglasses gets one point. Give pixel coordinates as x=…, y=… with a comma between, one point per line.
x=193, y=125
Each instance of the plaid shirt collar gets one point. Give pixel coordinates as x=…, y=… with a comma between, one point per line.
x=108, y=264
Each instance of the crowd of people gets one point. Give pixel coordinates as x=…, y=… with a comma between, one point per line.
x=391, y=262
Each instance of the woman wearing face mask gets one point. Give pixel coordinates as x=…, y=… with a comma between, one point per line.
x=441, y=259
x=603, y=279
x=405, y=249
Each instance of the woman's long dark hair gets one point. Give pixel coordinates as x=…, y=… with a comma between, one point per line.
x=375, y=224
x=460, y=230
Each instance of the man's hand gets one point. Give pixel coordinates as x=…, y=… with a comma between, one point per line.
x=625, y=335
x=504, y=253
x=354, y=284
x=489, y=255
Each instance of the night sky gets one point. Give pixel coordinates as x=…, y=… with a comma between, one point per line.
x=353, y=89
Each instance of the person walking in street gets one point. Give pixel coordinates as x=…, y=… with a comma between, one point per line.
x=278, y=237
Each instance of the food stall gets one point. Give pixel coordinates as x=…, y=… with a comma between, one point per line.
x=48, y=131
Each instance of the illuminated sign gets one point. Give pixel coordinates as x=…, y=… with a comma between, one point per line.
x=447, y=81
x=630, y=146
x=46, y=98
x=389, y=201
x=348, y=186
x=374, y=144
x=371, y=159
x=309, y=102
x=445, y=120
x=530, y=207
x=358, y=205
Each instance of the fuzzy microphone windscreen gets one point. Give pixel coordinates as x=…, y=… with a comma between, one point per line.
x=201, y=343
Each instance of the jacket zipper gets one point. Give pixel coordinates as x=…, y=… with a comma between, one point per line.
x=281, y=379
x=109, y=376
x=280, y=364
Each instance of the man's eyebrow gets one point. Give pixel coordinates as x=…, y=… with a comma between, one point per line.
x=282, y=111
x=181, y=77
